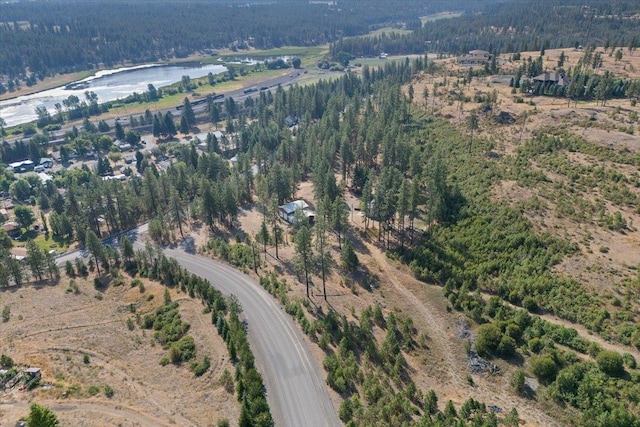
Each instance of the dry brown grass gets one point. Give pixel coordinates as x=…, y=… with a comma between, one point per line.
x=613, y=126
x=440, y=361
x=52, y=327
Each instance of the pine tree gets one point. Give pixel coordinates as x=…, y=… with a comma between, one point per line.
x=187, y=113
x=348, y=256
x=304, y=253
x=35, y=259
x=41, y=416
x=95, y=247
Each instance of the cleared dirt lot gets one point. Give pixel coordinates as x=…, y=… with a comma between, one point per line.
x=54, y=327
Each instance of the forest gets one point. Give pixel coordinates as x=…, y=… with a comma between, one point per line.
x=64, y=36
x=502, y=28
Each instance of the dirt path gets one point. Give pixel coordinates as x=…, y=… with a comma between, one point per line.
x=583, y=332
x=121, y=415
x=428, y=310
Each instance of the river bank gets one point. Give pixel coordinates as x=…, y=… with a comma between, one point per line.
x=48, y=83
x=60, y=80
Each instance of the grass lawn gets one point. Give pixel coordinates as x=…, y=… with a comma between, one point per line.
x=44, y=240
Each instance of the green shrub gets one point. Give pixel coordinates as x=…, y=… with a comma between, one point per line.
x=200, y=368
x=6, y=361
x=610, y=362
x=488, y=339
x=517, y=381
x=108, y=391
x=544, y=367
x=93, y=390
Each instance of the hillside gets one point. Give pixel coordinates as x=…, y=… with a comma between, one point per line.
x=99, y=367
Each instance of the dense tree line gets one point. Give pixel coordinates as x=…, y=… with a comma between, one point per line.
x=529, y=25
x=66, y=36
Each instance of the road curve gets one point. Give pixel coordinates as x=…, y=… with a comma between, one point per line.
x=295, y=387
x=296, y=390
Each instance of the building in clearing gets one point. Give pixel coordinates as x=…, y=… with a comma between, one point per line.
x=288, y=211
x=291, y=121
x=33, y=373
x=554, y=78
x=476, y=57
x=12, y=228
x=23, y=166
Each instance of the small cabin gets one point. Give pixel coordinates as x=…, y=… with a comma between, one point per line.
x=288, y=211
x=33, y=373
x=291, y=121
x=12, y=228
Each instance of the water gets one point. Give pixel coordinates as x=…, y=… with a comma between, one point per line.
x=247, y=60
x=109, y=85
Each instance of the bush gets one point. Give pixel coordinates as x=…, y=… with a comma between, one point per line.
x=628, y=359
x=175, y=355
x=610, y=362
x=544, y=367
x=108, y=391
x=200, y=368
x=535, y=345
x=488, y=339
x=530, y=304
x=517, y=381
x=507, y=346
x=6, y=361
x=226, y=379
x=93, y=390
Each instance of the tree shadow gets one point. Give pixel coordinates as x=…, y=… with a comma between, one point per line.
x=356, y=242
x=102, y=283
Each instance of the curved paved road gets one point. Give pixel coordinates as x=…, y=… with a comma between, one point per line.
x=296, y=390
x=295, y=387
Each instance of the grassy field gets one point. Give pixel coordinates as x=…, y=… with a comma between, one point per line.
x=388, y=30
x=437, y=16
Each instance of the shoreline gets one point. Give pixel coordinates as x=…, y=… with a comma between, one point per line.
x=60, y=80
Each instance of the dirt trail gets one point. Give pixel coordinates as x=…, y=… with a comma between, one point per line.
x=123, y=415
x=429, y=314
x=583, y=332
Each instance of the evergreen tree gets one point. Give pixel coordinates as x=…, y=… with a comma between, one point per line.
x=169, y=125
x=35, y=259
x=95, y=247
x=119, y=131
x=127, y=248
x=349, y=257
x=41, y=416
x=187, y=113
x=304, y=252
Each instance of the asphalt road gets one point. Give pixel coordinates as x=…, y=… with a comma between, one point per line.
x=296, y=391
